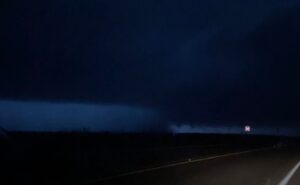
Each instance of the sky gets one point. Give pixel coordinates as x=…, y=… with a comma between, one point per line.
x=167, y=61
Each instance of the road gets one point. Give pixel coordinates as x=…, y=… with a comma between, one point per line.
x=273, y=166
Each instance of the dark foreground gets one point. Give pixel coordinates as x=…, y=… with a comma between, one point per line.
x=266, y=167
x=85, y=158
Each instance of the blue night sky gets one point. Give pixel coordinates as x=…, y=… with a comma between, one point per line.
x=141, y=65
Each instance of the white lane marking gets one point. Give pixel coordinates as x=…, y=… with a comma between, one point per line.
x=286, y=179
x=178, y=164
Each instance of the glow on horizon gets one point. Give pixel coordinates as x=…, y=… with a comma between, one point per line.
x=185, y=128
x=233, y=129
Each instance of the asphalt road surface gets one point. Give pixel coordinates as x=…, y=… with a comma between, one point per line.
x=272, y=166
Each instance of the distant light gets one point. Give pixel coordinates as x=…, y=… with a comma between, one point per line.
x=247, y=128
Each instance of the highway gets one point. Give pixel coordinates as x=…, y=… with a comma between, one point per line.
x=267, y=166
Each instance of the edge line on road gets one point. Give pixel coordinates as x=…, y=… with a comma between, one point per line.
x=179, y=163
x=288, y=176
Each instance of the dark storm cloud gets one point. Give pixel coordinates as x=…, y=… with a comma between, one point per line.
x=191, y=60
x=270, y=52
x=44, y=116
